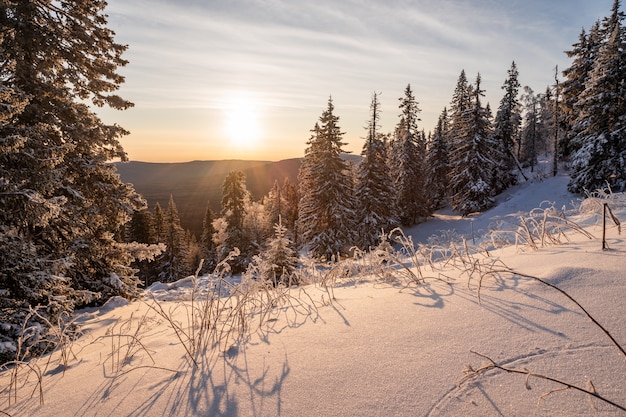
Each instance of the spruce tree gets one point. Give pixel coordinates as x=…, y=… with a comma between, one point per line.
x=282, y=202
x=326, y=207
x=459, y=106
x=374, y=195
x=408, y=151
x=159, y=223
x=599, y=157
x=235, y=198
x=273, y=203
x=60, y=196
x=471, y=164
x=256, y=226
x=279, y=259
x=207, y=246
x=438, y=164
x=289, y=209
x=576, y=77
x=461, y=102
x=141, y=229
x=531, y=130
x=506, y=129
x=174, y=260
x=547, y=121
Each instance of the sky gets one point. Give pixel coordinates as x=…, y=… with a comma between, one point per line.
x=248, y=79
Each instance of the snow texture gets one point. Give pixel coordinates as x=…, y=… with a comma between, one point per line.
x=378, y=349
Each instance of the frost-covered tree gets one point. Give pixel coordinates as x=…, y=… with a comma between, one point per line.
x=461, y=102
x=273, y=203
x=438, y=164
x=194, y=253
x=235, y=199
x=471, y=164
x=547, y=121
x=599, y=156
x=207, y=246
x=61, y=199
x=408, y=153
x=279, y=259
x=175, y=259
x=326, y=207
x=531, y=137
x=159, y=223
x=374, y=193
x=289, y=209
x=141, y=229
x=458, y=125
x=583, y=55
x=282, y=202
x=506, y=130
x=256, y=225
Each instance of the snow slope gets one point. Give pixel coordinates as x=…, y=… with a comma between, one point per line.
x=380, y=348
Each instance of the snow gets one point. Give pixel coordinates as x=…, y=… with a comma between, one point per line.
x=380, y=348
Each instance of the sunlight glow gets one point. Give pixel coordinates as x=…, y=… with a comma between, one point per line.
x=242, y=121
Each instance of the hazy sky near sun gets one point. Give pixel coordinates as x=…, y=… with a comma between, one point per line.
x=248, y=79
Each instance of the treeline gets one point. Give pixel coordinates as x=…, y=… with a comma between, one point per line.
x=402, y=178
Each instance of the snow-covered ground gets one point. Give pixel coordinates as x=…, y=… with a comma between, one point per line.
x=380, y=348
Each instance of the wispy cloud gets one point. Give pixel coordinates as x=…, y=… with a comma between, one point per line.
x=293, y=54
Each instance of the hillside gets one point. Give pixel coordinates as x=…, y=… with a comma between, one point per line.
x=384, y=346
x=193, y=184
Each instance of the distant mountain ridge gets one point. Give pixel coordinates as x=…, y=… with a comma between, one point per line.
x=193, y=184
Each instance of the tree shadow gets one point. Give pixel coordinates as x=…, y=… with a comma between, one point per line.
x=518, y=306
x=221, y=385
x=433, y=294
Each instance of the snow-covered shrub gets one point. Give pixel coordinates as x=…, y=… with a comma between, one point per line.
x=277, y=263
x=227, y=312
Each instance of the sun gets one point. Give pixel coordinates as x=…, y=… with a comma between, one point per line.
x=242, y=121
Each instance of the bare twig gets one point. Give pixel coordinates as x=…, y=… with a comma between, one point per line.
x=589, y=316
x=472, y=373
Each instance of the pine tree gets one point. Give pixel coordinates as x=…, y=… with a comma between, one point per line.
x=471, y=165
x=235, y=198
x=438, y=164
x=506, y=129
x=599, y=156
x=408, y=152
x=59, y=195
x=374, y=196
x=326, y=207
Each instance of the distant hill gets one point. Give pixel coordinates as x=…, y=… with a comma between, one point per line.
x=193, y=184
